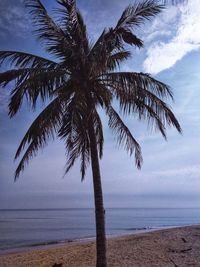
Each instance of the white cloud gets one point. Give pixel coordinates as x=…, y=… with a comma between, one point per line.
x=164, y=54
x=156, y=34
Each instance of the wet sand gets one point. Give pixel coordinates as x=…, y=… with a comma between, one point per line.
x=175, y=247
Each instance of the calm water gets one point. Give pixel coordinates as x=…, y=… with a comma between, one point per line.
x=20, y=228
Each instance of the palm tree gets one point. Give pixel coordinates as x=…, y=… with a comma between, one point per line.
x=83, y=79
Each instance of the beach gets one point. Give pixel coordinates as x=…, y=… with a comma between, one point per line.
x=178, y=247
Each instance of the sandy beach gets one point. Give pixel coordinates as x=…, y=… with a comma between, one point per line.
x=177, y=247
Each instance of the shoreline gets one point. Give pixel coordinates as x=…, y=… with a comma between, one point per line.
x=169, y=247
x=75, y=241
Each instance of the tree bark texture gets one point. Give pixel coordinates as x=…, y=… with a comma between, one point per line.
x=101, y=260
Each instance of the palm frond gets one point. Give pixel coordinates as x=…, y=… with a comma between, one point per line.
x=41, y=130
x=133, y=15
x=68, y=14
x=74, y=133
x=78, y=147
x=101, y=95
x=129, y=38
x=85, y=160
x=130, y=81
x=98, y=44
x=138, y=96
x=30, y=152
x=10, y=75
x=124, y=135
x=47, y=29
x=136, y=14
x=25, y=60
x=73, y=25
x=110, y=43
x=98, y=127
x=116, y=58
x=34, y=83
x=33, y=76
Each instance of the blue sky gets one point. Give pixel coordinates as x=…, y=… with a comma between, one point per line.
x=170, y=175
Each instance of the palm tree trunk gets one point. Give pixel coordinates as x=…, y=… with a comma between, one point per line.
x=98, y=197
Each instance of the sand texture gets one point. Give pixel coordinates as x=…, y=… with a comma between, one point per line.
x=176, y=247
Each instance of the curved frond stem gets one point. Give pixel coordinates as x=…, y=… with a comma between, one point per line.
x=10, y=75
x=23, y=60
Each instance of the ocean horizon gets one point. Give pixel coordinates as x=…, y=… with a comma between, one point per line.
x=31, y=227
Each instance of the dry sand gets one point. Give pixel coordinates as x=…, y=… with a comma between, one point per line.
x=176, y=247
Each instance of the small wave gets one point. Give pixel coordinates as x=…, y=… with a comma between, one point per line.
x=139, y=228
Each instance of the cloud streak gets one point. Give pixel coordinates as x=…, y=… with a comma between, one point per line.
x=13, y=19
x=163, y=55
x=189, y=172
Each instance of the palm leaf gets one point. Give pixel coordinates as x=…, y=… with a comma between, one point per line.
x=115, y=38
x=8, y=76
x=34, y=83
x=139, y=96
x=116, y=58
x=129, y=38
x=55, y=39
x=98, y=132
x=130, y=80
x=124, y=135
x=74, y=132
x=41, y=130
x=73, y=25
x=25, y=60
x=136, y=14
x=47, y=29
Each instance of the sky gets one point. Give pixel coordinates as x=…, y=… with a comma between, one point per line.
x=170, y=175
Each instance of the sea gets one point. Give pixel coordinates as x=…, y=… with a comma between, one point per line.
x=32, y=227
